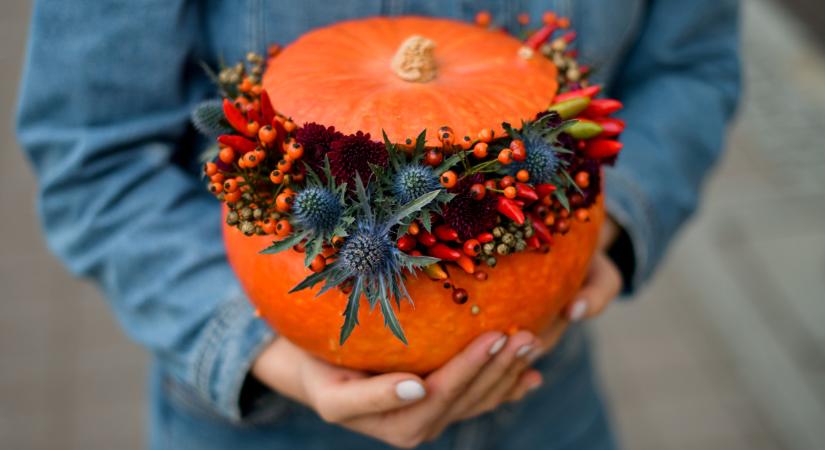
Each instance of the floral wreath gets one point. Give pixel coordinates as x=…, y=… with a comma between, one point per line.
x=367, y=214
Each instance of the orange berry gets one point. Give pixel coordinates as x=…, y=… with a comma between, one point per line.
x=523, y=19
x=413, y=229
x=318, y=263
x=446, y=136
x=582, y=215
x=217, y=178
x=433, y=157
x=283, y=202
x=268, y=226
x=478, y=191
x=510, y=192
x=215, y=188
x=250, y=160
x=283, y=227
x=480, y=150
x=564, y=22
x=486, y=135
x=548, y=18
x=490, y=185
x=267, y=135
x=523, y=175
x=505, y=156
x=284, y=165
x=260, y=155
x=246, y=85
x=210, y=169
x=506, y=181
x=583, y=179
x=466, y=142
x=252, y=127
x=472, y=247
x=295, y=151
x=232, y=197
x=289, y=126
x=288, y=191
x=484, y=18
x=337, y=242
x=230, y=185
x=518, y=149
x=550, y=220
x=227, y=155
x=449, y=179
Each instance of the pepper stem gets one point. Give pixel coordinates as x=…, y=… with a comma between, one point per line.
x=415, y=60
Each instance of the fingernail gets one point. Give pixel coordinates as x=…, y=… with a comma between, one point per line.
x=533, y=356
x=498, y=345
x=523, y=350
x=410, y=390
x=534, y=385
x=578, y=310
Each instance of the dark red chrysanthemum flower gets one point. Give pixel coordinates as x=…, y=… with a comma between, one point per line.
x=317, y=141
x=468, y=216
x=354, y=154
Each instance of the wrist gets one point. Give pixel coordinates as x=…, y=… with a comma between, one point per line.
x=278, y=368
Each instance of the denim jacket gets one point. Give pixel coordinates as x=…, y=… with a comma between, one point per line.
x=104, y=118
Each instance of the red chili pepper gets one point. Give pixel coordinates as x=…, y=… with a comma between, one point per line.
x=602, y=148
x=426, y=238
x=446, y=233
x=569, y=37
x=533, y=241
x=526, y=192
x=611, y=127
x=602, y=107
x=541, y=229
x=510, y=209
x=485, y=238
x=590, y=91
x=445, y=252
x=267, y=111
x=541, y=36
x=545, y=189
x=235, y=118
x=466, y=263
x=406, y=243
x=239, y=143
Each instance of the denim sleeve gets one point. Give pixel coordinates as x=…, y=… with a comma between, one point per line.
x=103, y=116
x=680, y=85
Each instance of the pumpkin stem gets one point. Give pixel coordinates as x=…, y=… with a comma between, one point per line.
x=415, y=60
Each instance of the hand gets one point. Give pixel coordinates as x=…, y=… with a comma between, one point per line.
x=403, y=409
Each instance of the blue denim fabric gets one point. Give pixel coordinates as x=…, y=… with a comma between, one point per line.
x=103, y=117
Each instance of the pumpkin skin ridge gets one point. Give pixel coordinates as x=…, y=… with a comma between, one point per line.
x=435, y=326
x=454, y=70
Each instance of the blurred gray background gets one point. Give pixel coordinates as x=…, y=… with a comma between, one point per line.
x=725, y=350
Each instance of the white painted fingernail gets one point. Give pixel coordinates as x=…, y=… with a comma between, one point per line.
x=533, y=356
x=498, y=345
x=534, y=385
x=578, y=310
x=523, y=350
x=410, y=390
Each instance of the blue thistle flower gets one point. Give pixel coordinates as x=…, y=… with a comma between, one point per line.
x=413, y=181
x=542, y=160
x=317, y=208
x=369, y=252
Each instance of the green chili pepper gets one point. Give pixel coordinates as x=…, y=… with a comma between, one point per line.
x=569, y=109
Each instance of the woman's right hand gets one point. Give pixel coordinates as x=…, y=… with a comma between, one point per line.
x=402, y=409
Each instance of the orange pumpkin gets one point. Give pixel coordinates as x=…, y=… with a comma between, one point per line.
x=352, y=75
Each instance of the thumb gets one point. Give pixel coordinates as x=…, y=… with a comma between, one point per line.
x=603, y=284
x=349, y=398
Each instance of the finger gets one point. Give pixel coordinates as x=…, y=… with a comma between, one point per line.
x=494, y=393
x=604, y=282
x=498, y=375
x=529, y=381
x=350, y=398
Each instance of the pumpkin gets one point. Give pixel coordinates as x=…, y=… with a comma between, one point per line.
x=402, y=75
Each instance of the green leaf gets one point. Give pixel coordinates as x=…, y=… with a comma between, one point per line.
x=361, y=193
x=311, y=280
x=570, y=181
x=412, y=207
x=562, y=197
x=449, y=162
x=421, y=141
x=390, y=319
x=426, y=221
x=313, y=248
x=411, y=262
x=286, y=243
x=351, y=313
